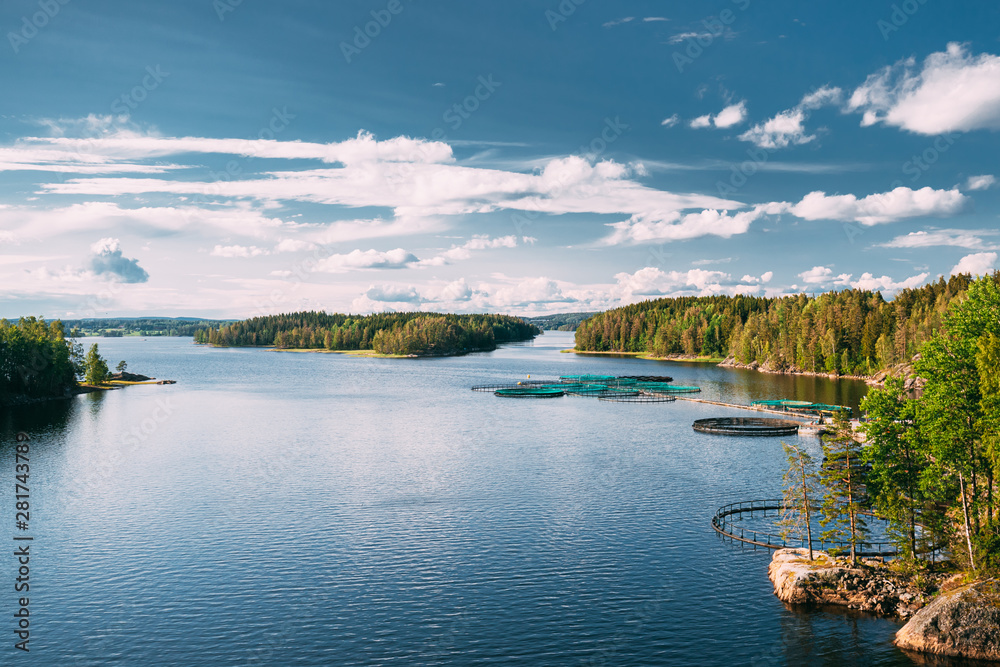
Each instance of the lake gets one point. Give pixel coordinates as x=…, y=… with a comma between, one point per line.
x=321, y=509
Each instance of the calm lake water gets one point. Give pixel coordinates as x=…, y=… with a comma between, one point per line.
x=308, y=509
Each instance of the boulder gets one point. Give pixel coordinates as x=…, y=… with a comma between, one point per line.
x=964, y=622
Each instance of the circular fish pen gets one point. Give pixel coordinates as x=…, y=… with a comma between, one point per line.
x=637, y=398
x=530, y=392
x=755, y=426
x=510, y=385
x=728, y=522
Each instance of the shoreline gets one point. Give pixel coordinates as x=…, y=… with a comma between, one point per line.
x=729, y=362
x=648, y=357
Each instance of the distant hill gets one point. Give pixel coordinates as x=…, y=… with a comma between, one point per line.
x=559, y=321
x=140, y=326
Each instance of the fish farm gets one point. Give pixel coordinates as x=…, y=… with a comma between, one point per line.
x=802, y=406
x=756, y=426
x=615, y=388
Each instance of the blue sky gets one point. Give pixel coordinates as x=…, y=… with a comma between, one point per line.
x=234, y=158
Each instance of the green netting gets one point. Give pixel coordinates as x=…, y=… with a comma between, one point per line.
x=663, y=388
x=588, y=390
x=531, y=392
x=589, y=378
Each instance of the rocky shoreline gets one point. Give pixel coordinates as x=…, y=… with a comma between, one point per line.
x=877, y=380
x=945, y=616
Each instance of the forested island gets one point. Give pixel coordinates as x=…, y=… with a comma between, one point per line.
x=38, y=362
x=852, y=332
x=560, y=321
x=408, y=334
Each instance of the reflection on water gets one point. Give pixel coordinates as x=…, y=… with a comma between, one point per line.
x=302, y=509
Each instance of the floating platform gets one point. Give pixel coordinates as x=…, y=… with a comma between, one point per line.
x=747, y=426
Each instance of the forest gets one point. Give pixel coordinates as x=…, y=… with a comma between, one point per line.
x=851, y=332
x=385, y=333
x=931, y=458
x=36, y=359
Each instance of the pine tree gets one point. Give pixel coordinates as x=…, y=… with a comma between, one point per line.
x=95, y=368
x=843, y=476
x=799, y=497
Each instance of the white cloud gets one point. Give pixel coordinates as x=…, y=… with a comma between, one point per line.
x=952, y=92
x=732, y=115
x=978, y=264
x=958, y=238
x=787, y=128
x=464, y=251
x=671, y=121
x=652, y=19
x=642, y=229
x=880, y=207
x=611, y=24
x=821, y=275
x=783, y=130
x=366, y=259
x=766, y=276
x=984, y=182
x=680, y=37
x=393, y=294
x=887, y=284
x=651, y=282
x=231, y=251
x=293, y=245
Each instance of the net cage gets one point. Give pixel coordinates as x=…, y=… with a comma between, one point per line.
x=637, y=398
x=530, y=392
x=753, y=426
x=802, y=406
x=625, y=389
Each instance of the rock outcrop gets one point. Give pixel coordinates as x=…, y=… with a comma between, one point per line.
x=964, y=622
x=868, y=586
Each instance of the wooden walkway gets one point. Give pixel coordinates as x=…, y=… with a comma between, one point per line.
x=788, y=415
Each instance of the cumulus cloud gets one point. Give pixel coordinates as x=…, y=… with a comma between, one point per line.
x=231, y=251
x=293, y=245
x=671, y=121
x=984, y=182
x=732, y=115
x=880, y=207
x=651, y=282
x=978, y=264
x=393, y=294
x=359, y=260
x=822, y=275
x=887, y=284
x=787, y=128
x=953, y=91
x=108, y=260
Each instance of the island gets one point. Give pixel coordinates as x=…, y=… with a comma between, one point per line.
x=413, y=334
